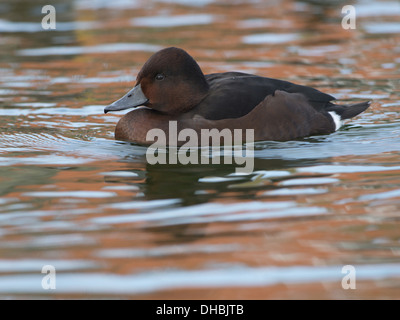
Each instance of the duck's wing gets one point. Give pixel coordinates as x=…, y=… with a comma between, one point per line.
x=235, y=94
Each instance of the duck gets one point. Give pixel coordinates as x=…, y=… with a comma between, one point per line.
x=171, y=87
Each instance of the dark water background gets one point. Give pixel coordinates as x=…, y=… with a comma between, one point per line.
x=114, y=226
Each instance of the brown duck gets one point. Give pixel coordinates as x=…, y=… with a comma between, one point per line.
x=171, y=87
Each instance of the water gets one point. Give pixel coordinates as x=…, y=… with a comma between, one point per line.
x=115, y=226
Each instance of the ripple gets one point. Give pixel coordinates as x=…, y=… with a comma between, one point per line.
x=50, y=159
x=346, y=169
x=69, y=80
x=229, y=277
x=393, y=104
x=357, y=141
x=85, y=110
x=8, y=92
x=101, y=48
x=51, y=241
x=315, y=51
x=173, y=21
x=123, y=187
x=143, y=204
x=374, y=9
x=36, y=104
x=123, y=174
x=218, y=179
x=262, y=174
x=270, y=38
x=381, y=195
x=76, y=151
x=192, y=3
x=368, y=96
x=166, y=251
x=19, y=84
x=295, y=192
x=30, y=27
x=382, y=27
x=214, y=212
x=308, y=181
x=263, y=23
x=37, y=265
x=105, y=4
x=7, y=200
x=72, y=194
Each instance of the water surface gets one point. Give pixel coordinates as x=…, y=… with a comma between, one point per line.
x=115, y=226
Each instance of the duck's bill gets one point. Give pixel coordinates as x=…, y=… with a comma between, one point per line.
x=132, y=99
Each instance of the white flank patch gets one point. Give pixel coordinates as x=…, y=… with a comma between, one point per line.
x=336, y=119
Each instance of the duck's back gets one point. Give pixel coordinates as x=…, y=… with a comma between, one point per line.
x=235, y=94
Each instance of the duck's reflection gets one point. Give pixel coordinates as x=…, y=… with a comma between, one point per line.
x=195, y=184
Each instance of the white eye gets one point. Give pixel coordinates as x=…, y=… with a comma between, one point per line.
x=160, y=77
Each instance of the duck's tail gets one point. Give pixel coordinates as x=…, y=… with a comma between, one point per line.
x=349, y=110
x=343, y=112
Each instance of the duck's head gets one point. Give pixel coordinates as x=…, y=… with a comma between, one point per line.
x=170, y=82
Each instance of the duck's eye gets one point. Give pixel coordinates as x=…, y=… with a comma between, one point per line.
x=160, y=77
